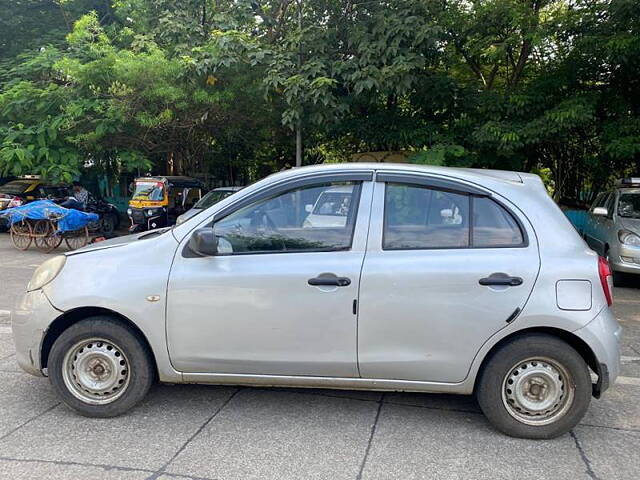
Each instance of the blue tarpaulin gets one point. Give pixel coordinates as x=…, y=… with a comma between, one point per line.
x=67, y=218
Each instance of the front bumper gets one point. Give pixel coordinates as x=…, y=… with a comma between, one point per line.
x=29, y=321
x=140, y=221
x=625, y=258
x=603, y=335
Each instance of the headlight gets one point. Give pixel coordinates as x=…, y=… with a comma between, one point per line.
x=150, y=213
x=129, y=211
x=629, y=238
x=46, y=272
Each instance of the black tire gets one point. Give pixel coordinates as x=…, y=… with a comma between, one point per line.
x=503, y=364
x=109, y=223
x=139, y=365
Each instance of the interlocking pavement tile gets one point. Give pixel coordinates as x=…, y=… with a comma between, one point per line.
x=146, y=437
x=22, y=397
x=618, y=407
x=6, y=348
x=416, y=443
x=265, y=434
x=24, y=470
x=9, y=364
x=613, y=454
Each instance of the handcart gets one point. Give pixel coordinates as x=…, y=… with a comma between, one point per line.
x=47, y=225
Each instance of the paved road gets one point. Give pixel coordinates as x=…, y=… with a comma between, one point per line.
x=206, y=432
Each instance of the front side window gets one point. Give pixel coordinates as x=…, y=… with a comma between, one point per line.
x=310, y=218
x=419, y=217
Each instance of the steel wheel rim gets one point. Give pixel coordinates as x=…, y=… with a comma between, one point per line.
x=96, y=371
x=537, y=391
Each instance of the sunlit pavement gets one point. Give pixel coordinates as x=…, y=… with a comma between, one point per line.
x=206, y=432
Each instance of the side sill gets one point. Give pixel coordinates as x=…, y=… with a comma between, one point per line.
x=340, y=383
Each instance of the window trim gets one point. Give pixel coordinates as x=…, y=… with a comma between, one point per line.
x=272, y=190
x=442, y=184
x=451, y=188
x=290, y=186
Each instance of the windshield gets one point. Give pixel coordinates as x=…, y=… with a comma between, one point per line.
x=333, y=203
x=629, y=205
x=212, y=198
x=15, y=187
x=150, y=191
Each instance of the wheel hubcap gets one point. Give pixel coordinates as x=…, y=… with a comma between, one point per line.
x=537, y=391
x=96, y=371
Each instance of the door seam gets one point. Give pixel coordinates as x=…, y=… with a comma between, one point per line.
x=366, y=249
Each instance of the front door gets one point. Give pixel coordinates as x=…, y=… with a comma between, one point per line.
x=279, y=297
x=444, y=271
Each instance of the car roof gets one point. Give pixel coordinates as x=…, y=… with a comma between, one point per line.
x=484, y=177
x=478, y=174
x=173, y=180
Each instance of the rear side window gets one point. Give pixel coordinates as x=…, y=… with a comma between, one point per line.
x=419, y=217
x=493, y=226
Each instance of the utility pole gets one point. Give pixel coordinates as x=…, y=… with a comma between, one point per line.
x=299, y=121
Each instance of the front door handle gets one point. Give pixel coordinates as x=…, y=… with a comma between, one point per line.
x=501, y=279
x=329, y=280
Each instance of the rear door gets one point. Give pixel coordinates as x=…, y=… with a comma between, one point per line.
x=446, y=267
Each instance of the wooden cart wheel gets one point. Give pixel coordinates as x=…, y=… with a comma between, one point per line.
x=54, y=239
x=21, y=234
x=44, y=233
x=77, y=238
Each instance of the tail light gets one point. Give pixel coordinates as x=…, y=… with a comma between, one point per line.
x=15, y=202
x=606, y=279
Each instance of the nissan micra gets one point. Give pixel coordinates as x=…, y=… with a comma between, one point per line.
x=436, y=280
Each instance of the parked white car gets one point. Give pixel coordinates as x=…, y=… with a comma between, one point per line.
x=331, y=208
x=436, y=280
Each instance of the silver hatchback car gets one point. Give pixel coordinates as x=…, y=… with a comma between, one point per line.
x=434, y=280
x=613, y=226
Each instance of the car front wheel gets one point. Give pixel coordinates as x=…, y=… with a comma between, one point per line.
x=535, y=386
x=100, y=367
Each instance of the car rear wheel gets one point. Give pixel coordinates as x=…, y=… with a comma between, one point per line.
x=100, y=367
x=535, y=386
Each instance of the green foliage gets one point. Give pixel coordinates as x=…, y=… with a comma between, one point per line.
x=218, y=86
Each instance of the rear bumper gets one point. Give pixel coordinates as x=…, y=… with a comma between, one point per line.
x=603, y=335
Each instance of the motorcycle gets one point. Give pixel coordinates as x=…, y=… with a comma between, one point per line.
x=109, y=216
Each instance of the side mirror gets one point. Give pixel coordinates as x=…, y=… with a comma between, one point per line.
x=204, y=242
x=600, y=212
x=308, y=208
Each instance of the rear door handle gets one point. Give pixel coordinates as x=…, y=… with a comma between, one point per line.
x=329, y=280
x=501, y=279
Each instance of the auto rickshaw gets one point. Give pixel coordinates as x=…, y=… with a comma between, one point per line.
x=157, y=201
